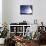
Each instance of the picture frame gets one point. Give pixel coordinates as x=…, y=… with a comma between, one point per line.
x=26, y=9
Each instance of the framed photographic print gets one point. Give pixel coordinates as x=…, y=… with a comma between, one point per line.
x=26, y=9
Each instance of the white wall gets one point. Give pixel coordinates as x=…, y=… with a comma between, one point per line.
x=4, y=14
x=15, y=11
x=43, y=11
x=0, y=13
x=12, y=11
